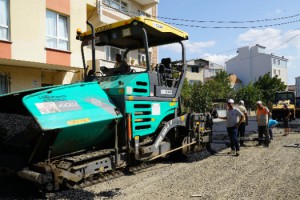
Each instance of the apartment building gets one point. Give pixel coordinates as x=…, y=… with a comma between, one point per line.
x=253, y=62
x=297, y=86
x=201, y=70
x=38, y=45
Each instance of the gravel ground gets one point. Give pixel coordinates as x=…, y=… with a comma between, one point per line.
x=258, y=173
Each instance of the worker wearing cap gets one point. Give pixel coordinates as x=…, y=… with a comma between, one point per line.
x=262, y=118
x=242, y=127
x=234, y=118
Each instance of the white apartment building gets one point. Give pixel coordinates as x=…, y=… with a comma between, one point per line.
x=38, y=45
x=253, y=62
x=297, y=86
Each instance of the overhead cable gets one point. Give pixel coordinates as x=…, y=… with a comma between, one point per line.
x=233, y=27
x=207, y=21
x=229, y=22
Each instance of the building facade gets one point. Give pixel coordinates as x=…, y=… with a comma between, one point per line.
x=297, y=80
x=201, y=70
x=38, y=45
x=253, y=62
x=211, y=70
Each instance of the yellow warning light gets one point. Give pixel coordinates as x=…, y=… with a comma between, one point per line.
x=130, y=98
x=172, y=104
x=78, y=31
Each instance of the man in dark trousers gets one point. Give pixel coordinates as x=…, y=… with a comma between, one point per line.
x=234, y=118
x=262, y=118
x=242, y=127
x=286, y=117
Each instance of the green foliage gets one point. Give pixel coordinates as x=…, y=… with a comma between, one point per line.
x=268, y=86
x=202, y=95
x=249, y=94
x=186, y=93
x=199, y=96
x=220, y=85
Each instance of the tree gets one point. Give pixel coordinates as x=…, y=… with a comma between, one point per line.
x=202, y=95
x=249, y=94
x=186, y=93
x=219, y=86
x=268, y=86
x=201, y=98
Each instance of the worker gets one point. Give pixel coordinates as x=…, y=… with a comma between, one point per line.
x=286, y=117
x=234, y=118
x=242, y=127
x=121, y=64
x=262, y=118
x=271, y=125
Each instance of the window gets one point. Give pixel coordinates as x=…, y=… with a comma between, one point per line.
x=57, y=31
x=142, y=57
x=274, y=61
x=279, y=72
x=112, y=51
x=4, y=20
x=274, y=71
x=117, y=4
x=195, y=69
x=4, y=83
x=278, y=62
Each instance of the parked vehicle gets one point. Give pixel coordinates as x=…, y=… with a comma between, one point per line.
x=284, y=97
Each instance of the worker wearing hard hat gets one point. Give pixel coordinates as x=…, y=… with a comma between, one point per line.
x=262, y=118
x=234, y=118
x=242, y=127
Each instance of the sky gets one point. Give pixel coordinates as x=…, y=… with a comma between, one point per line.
x=281, y=37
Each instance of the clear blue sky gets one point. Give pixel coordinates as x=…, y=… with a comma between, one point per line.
x=220, y=44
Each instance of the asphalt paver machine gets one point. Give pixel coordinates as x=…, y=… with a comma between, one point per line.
x=71, y=135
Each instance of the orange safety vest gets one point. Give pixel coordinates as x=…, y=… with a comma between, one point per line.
x=262, y=116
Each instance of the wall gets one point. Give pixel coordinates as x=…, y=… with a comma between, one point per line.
x=297, y=79
x=251, y=63
x=195, y=76
x=23, y=79
x=261, y=65
x=28, y=30
x=240, y=65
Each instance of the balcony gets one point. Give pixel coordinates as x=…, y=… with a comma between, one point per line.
x=147, y=3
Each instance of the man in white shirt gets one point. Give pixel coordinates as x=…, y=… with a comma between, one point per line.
x=234, y=118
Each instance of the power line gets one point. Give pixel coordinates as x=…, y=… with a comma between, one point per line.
x=233, y=27
x=256, y=42
x=250, y=57
x=229, y=22
x=212, y=21
x=226, y=27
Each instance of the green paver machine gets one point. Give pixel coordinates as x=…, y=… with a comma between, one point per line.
x=67, y=135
